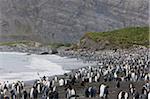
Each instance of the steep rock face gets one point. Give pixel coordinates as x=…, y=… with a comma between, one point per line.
x=67, y=20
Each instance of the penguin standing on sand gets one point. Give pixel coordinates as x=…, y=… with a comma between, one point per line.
x=55, y=95
x=31, y=93
x=61, y=82
x=7, y=84
x=90, y=79
x=72, y=94
x=136, y=95
x=25, y=94
x=149, y=95
x=35, y=93
x=131, y=88
x=18, y=91
x=87, y=93
x=96, y=78
x=13, y=95
x=76, y=76
x=101, y=90
x=56, y=79
x=123, y=95
x=68, y=93
x=39, y=87
x=118, y=84
x=133, y=76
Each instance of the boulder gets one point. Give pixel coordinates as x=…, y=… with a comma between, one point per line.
x=44, y=53
x=54, y=51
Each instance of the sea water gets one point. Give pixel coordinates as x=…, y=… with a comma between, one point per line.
x=20, y=66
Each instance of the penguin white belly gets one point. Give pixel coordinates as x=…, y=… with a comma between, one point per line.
x=90, y=80
x=149, y=95
x=102, y=88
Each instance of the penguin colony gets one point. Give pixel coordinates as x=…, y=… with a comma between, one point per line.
x=119, y=74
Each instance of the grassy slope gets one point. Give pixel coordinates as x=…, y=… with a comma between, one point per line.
x=14, y=43
x=123, y=37
x=30, y=43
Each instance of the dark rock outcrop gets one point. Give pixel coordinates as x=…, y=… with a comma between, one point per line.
x=67, y=20
x=54, y=51
x=87, y=43
x=44, y=53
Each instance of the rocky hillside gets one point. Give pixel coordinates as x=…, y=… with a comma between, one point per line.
x=121, y=38
x=67, y=20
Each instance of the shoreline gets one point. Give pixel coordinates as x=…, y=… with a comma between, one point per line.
x=25, y=49
x=30, y=82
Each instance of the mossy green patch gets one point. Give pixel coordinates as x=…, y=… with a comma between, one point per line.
x=122, y=37
x=14, y=43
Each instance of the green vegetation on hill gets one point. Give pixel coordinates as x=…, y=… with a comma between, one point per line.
x=12, y=43
x=33, y=44
x=15, y=43
x=122, y=37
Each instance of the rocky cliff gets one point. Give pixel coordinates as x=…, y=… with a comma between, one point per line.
x=67, y=20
